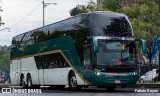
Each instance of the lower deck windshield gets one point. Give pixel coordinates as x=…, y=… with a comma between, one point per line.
x=118, y=55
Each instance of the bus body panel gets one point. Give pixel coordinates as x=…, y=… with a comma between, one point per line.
x=28, y=66
x=41, y=76
x=14, y=72
x=53, y=76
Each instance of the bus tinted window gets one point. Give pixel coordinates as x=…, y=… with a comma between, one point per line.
x=50, y=61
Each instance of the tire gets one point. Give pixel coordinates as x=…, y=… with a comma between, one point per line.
x=73, y=82
x=23, y=84
x=29, y=82
x=111, y=88
x=141, y=81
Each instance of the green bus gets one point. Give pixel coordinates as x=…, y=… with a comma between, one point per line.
x=90, y=49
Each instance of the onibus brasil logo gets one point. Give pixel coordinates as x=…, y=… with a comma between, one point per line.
x=15, y=90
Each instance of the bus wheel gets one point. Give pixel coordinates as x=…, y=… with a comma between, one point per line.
x=73, y=82
x=29, y=81
x=23, y=84
x=111, y=87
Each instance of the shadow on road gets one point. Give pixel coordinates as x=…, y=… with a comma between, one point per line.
x=89, y=90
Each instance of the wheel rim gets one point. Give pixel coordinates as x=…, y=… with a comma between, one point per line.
x=23, y=82
x=73, y=81
x=29, y=82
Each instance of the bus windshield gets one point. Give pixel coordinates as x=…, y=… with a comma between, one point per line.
x=115, y=53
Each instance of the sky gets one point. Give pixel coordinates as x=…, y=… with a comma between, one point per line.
x=24, y=15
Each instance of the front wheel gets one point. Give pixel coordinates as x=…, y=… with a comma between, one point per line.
x=73, y=82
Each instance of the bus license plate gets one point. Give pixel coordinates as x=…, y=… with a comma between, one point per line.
x=117, y=81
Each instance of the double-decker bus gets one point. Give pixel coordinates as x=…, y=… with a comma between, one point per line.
x=90, y=49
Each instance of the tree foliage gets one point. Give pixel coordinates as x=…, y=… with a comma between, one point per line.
x=145, y=19
x=75, y=11
x=91, y=6
x=4, y=58
x=111, y=5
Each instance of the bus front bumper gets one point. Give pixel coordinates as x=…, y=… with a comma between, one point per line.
x=106, y=78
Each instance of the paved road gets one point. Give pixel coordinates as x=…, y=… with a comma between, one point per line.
x=103, y=90
x=91, y=92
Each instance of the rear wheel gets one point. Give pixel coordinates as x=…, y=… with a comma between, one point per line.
x=29, y=81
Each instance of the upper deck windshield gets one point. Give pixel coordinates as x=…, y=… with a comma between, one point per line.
x=113, y=53
x=110, y=24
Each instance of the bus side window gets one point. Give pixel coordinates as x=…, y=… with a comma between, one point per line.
x=39, y=62
x=87, y=54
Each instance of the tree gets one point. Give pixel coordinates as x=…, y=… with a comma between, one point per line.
x=4, y=59
x=91, y=6
x=75, y=11
x=145, y=19
x=111, y=5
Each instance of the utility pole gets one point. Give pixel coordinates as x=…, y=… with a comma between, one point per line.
x=45, y=5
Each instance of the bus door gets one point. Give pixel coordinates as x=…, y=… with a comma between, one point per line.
x=15, y=71
x=87, y=73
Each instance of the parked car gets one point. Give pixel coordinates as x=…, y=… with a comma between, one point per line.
x=150, y=76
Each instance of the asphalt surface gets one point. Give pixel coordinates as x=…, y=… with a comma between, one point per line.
x=91, y=92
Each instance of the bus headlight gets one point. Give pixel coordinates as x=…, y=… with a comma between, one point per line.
x=98, y=73
x=134, y=73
